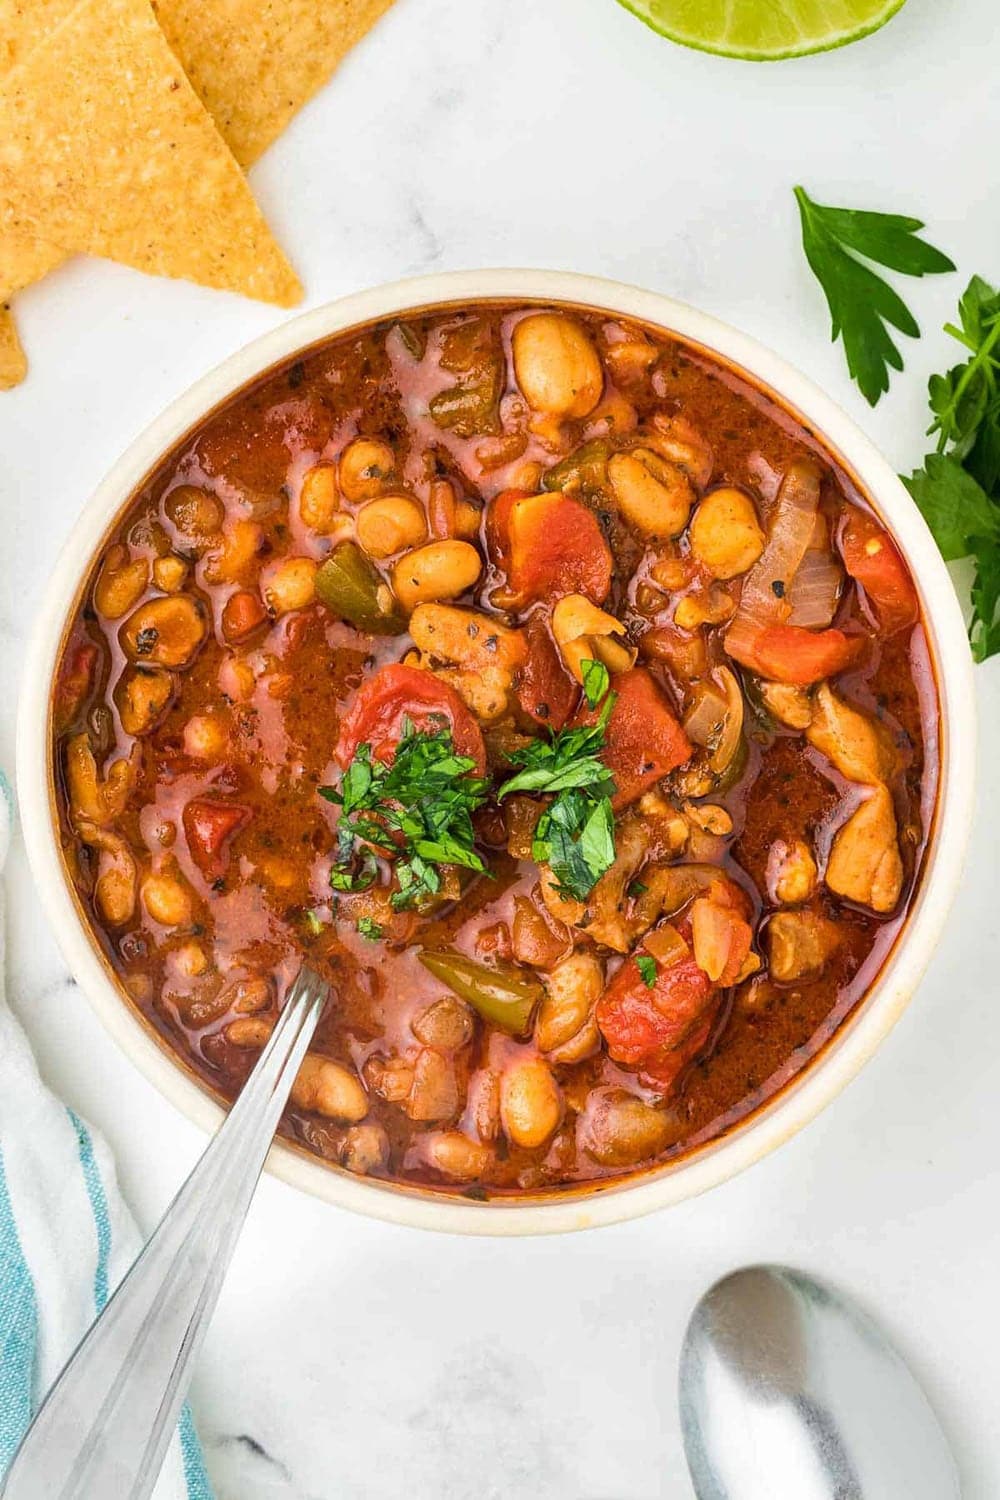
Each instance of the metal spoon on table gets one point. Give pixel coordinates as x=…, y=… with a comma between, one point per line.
x=103, y=1430
x=788, y=1391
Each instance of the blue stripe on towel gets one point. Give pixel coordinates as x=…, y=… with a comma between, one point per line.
x=99, y=1208
x=18, y=1329
x=195, y=1475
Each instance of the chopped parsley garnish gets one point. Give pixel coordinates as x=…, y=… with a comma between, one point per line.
x=575, y=836
x=958, y=487
x=861, y=303
x=596, y=682
x=647, y=969
x=369, y=929
x=416, y=811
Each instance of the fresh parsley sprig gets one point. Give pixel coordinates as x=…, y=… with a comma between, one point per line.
x=958, y=487
x=646, y=964
x=861, y=303
x=417, y=811
x=575, y=835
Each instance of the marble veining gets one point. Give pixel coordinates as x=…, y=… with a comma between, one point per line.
x=349, y=1360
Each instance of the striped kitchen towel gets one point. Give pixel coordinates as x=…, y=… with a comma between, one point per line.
x=66, y=1239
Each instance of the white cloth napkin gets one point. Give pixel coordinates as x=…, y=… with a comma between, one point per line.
x=66, y=1239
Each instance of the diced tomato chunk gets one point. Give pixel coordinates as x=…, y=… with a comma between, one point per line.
x=498, y=525
x=662, y=1071
x=242, y=614
x=550, y=545
x=720, y=935
x=792, y=654
x=660, y=1027
x=644, y=739
x=645, y=1025
x=873, y=560
x=76, y=678
x=545, y=691
x=208, y=827
x=398, y=692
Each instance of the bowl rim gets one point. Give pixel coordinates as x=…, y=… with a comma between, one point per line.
x=857, y=1037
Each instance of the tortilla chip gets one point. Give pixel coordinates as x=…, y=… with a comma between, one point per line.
x=23, y=24
x=23, y=261
x=13, y=365
x=106, y=149
x=254, y=63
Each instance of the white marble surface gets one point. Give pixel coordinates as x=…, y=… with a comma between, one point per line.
x=349, y=1359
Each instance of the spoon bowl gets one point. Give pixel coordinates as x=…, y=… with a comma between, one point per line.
x=788, y=1389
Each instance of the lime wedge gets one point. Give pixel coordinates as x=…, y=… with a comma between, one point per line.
x=764, y=30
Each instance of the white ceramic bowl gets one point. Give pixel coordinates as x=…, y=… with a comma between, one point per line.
x=860, y=1034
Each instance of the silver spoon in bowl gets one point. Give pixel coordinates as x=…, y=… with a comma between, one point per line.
x=788, y=1391
x=103, y=1429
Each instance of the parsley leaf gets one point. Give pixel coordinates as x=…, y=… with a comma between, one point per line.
x=567, y=758
x=958, y=488
x=575, y=835
x=369, y=929
x=647, y=968
x=860, y=302
x=416, y=811
x=956, y=508
x=965, y=522
x=596, y=682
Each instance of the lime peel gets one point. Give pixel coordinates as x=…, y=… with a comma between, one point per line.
x=764, y=30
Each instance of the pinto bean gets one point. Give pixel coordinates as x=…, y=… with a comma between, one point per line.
x=324, y=1087
x=556, y=365
x=364, y=467
x=618, y=1129
x=143, y=696
x=726, y=536
x=653, y=495
x=447, y=1024
x=454, y=1155
x=292, y=585
x=439, y=570
x=365, y=1148
x=531, y=1104
x=167, y=632
x=121, y=582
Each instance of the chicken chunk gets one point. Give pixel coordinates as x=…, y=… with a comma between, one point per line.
x=94, y=799
x=790, y=705
x=472, y=653
x=865, y=864
x=799, y=944
x=791, y=872
x=117, y=882
x=855, y=744
x=607, y=921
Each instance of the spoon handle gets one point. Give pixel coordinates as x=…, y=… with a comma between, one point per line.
x=104, y=1428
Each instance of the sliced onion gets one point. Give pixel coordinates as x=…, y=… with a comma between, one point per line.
x=792, y=529
x=731, y=737
x=815, y=591
x=666, y=945
x=715, y=719
x=704, y=720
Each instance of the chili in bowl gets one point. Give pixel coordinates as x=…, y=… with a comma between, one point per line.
x=564, y=678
